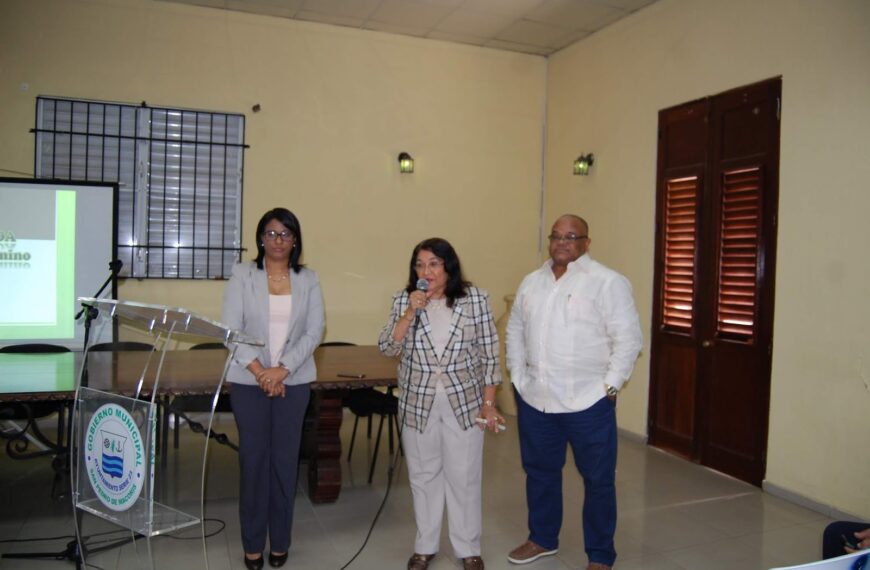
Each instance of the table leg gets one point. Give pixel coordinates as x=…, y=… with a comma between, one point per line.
x=324, y=447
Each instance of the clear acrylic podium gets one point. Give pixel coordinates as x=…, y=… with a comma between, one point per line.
x=113, y=438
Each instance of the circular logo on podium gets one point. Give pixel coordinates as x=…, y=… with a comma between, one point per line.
x=115, y=457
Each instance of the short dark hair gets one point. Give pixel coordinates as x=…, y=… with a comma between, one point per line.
x=457, y=286
x=289, y=221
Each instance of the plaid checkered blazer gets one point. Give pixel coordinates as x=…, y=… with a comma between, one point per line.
x=469, y=362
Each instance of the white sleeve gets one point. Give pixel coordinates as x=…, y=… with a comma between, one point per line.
x=623, y=328
x=515, y=359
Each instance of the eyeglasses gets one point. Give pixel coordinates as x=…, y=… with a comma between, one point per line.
x=272, y=235
x=433, y=265
x=569, y=238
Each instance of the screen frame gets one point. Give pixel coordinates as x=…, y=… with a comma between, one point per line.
x=112, y=275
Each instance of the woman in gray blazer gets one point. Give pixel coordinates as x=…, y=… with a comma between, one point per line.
x=278, y=301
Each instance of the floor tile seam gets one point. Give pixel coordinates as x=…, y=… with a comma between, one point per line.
x=796, y=525
x=658, y=548
x=696, y=502
x=765, y=529
x=761, y=534
x=702, y=544
x=640, y=556
x=763, y=526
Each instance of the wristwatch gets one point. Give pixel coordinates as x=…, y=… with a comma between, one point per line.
x=611, y=391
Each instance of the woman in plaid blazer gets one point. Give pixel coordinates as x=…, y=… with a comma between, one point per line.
x=442, y=329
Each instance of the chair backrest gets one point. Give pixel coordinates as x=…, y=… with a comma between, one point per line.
x=207, y=346
x=122, y=345
x=33, y=348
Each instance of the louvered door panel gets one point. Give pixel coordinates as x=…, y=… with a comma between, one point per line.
x=736, y=343
x=740, y=225
x=681, y=225
x=681, y=157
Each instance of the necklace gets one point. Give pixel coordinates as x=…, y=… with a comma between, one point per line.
x=278, y=278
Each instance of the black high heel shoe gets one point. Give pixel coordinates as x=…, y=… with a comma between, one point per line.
x=255, y=564
x=277, y=560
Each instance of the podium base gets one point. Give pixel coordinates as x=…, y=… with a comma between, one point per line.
x=165, y=519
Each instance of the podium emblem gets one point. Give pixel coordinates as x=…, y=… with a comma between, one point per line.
x=115, y=457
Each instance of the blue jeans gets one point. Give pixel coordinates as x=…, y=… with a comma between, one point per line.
x=544, y=440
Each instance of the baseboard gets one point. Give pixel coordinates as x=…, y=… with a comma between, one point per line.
x=806, y=502
x=631, y=436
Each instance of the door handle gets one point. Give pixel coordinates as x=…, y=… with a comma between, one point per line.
x=707, y=343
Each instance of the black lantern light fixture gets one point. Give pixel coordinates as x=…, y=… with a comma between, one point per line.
x=406, y=163
x=582, y=164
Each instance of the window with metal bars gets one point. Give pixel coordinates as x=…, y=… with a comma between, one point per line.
x=179, y=172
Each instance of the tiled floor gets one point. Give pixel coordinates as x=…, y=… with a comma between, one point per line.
x=673, y=515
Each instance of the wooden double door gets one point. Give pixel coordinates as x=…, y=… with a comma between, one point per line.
x=712, y=340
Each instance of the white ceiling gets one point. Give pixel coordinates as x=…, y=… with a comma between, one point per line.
x=529, y=26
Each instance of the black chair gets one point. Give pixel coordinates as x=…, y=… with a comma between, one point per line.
x=366, y=403
x=120, y=345
x=183, y=404
x=32, y=411
x=34, y=348
x=209, y=346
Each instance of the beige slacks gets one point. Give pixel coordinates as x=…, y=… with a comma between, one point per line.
x=445, y=463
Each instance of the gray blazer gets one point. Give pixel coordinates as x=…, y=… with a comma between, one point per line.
x=246, y=308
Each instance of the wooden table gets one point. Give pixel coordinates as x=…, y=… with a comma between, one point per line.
x=196, y=372
x=322, y=443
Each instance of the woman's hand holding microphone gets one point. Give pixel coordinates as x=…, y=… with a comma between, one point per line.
x=417, y=301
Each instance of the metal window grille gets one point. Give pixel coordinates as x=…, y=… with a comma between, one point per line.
x=179, y=173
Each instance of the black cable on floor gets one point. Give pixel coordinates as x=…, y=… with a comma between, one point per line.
x=383, y=502
x=71, y=552
x=413, y=331
x=199, y=536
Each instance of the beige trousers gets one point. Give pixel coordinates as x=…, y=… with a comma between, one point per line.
x=445, y=463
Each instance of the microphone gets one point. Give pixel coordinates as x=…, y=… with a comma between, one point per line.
x=115, y=266
x=422, y=285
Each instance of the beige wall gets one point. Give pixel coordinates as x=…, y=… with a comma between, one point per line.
x=338, y=105
x=603, y=96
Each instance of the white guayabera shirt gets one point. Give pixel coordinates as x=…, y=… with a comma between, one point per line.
x=568, y=339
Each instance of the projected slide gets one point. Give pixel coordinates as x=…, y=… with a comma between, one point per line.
x=56, y=242
x=37, y=251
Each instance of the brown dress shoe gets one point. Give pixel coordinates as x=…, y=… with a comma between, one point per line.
x=529, y=552
x=598, y=566
x=472, y=563
x=419, y=561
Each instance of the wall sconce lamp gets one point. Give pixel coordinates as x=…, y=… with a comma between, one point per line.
x=582, y=164
x=406, y=163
